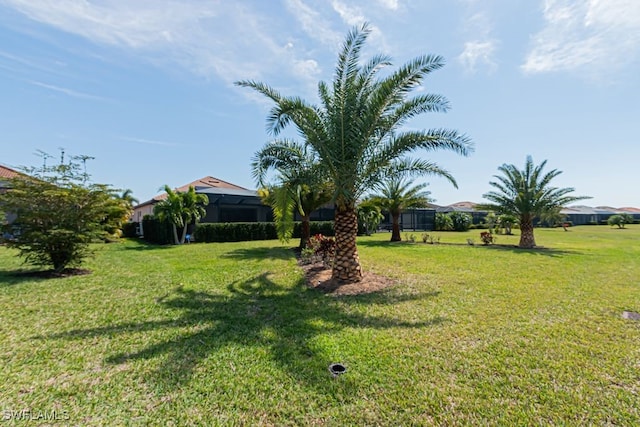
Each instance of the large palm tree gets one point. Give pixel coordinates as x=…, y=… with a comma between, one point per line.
x=396, y=196
x=301, y=185
x=527, y=194
x=356, y=132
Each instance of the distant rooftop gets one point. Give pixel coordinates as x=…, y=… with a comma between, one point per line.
x=203, y=185
x=6, y=172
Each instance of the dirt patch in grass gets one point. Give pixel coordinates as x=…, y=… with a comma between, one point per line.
x=319, y=277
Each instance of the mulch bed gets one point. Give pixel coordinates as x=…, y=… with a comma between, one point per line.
x=319, y=277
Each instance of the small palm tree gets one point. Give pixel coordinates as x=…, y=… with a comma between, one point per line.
x=193, y=209
x=355, y=132
x=527, y=194
x=398, y=195
x=300, y=185
x=180, y=209
x=369, y=215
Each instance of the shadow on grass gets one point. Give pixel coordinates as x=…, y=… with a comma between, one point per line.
x=16, y=277
x=9, y=278
x=142, y=245
x=274, y=252
x=550, y=252
x=257, y=313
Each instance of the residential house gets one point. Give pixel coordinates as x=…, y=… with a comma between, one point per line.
x=6, y=174
x=227, y=202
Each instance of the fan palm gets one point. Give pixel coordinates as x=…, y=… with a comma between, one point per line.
x=355, y=132
x=398, y=195
x=527, y=194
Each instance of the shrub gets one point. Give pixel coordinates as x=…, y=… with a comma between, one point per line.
x=460, y=221
x=443, y=222
x=487, y=238
x=324, y=248
x=129, y=229
x=235, y=232
x=315, y=227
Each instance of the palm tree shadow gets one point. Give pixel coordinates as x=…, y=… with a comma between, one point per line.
x=257, y=313
x=260, y=253
x=538, y=250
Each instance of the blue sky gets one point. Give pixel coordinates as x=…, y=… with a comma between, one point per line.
x=146, y=86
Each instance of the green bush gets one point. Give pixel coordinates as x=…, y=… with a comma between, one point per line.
x=443, y=222
x=246, y=231
x=460, y=221
x=129, y=229
x=235, y=231
x=316, y=227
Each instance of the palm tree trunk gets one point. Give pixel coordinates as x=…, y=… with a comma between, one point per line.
x=527, y=239
x=305, y=232
x=184, y=232
x=346, y=266
x=395, y=228
x=175, y=235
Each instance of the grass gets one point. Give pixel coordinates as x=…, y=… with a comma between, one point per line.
x=227, y=334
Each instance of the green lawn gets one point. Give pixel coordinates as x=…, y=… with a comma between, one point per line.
x=227, y=334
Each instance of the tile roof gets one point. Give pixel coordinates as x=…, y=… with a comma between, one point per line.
x=629, y=209
x=467, y=205
x=6, y=172
x=199, y=184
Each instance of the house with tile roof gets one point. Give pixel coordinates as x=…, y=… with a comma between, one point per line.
x=227, y=202
x=6, y=173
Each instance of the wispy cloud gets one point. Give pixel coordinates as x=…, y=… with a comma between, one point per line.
x=314, y=23
x=214, y=39
x=149, y=141
x=594, y=35
x=223, y=39
x=480, y=51
x=389, y=4
x=67, y=91
x=350, y=15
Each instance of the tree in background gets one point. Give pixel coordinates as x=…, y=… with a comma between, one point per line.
x=127, y=196
x=300, y=185
x=506, y=222
x=396, y=196
x=180, y=210
x=527, y=194
x=553, y=218
x=369, y=215
x=355, y=132
x=620, y=220
x=59, y=212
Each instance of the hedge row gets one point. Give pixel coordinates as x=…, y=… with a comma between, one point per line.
x=155, y=231
x=245, y=231
x=129, y=229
